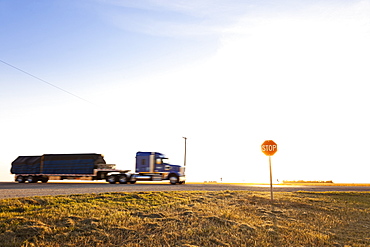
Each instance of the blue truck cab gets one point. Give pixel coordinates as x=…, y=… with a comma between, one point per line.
x=153, y=166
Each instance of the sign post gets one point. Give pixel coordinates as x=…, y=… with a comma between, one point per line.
x=269, y=148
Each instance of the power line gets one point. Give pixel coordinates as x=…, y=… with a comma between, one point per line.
x=38, y=78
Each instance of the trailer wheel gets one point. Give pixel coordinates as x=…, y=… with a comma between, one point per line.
x=20, y=179
x=132, y=182
x=122, y=179
x=174, y=179
x=32, y=179
x=111, y=179
x=44, y=179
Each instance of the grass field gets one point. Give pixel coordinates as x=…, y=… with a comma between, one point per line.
x=223, y=218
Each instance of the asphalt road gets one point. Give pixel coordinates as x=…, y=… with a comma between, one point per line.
x=16, y=190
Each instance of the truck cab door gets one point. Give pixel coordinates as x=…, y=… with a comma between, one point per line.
x=159, y=165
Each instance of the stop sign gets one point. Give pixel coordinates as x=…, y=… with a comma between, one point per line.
x=269, y=147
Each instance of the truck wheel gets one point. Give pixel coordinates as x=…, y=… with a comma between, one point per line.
x=122, y=179
x=173, y=179
x=31, y=179
x=111, y=179
x=20, y=179
x=131, y=179
x=44, y=179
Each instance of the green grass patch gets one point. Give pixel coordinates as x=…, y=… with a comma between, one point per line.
x=222, y=218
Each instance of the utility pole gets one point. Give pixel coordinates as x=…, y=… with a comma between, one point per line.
x=185, y=152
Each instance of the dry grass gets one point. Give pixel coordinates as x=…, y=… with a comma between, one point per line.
x=326, y=184
x=226, y=218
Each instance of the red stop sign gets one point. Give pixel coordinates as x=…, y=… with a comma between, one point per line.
x=269, y=147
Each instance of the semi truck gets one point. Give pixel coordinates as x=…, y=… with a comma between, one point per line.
x=149, y=166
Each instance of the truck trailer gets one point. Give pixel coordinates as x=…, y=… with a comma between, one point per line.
x=150, y=166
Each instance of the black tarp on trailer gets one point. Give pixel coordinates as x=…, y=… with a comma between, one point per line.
x=57, y=164
x=71, y=163
x=26, y=164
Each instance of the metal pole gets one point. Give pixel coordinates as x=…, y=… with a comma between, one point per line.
x=185, y=152
x=272, y=196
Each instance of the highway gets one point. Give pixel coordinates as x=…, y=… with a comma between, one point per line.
x=17, y=190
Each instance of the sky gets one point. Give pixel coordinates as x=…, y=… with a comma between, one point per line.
x=117, y=76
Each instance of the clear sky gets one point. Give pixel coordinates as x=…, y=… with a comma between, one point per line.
x=121, y=76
